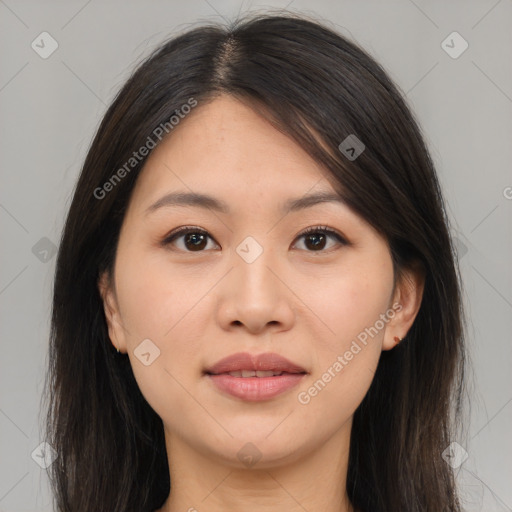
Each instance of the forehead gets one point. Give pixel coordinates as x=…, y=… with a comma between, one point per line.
x=229, y=150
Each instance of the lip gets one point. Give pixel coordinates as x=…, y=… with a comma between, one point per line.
x=262, y=362
x=255, y=389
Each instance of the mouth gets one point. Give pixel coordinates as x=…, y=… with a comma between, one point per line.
x=254, y=378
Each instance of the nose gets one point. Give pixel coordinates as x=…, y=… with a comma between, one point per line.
x=255, y=296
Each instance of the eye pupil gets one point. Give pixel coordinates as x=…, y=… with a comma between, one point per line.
x=197, y=239
x=317, y=244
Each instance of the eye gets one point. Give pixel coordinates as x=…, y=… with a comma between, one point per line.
x=315, y=237
x=194, y=238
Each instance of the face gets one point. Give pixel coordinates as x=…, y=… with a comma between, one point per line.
x=246, y=279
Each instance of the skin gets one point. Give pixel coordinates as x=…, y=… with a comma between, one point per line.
x=200, y=306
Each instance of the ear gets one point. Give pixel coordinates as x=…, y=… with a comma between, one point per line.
x=116, y=331
x=407, y=299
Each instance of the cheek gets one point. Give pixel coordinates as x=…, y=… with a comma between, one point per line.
x=163, y=308
x=348, y=351
x=347, y=301
x=348, y=305
x=155, y=297
x=169, y=306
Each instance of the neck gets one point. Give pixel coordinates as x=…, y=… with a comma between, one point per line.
x=312, y=480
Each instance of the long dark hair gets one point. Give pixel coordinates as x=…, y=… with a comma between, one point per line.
x=319, y=88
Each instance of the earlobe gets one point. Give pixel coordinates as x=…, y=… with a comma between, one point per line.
x=409, y=294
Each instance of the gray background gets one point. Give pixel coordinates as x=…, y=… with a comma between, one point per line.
x=50, y=108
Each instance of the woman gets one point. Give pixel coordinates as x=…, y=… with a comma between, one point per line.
x=256, y=300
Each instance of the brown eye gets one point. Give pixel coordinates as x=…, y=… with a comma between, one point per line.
x=194, y=239
x=315, y=238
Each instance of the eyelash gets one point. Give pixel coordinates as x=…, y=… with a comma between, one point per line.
x=184, y=230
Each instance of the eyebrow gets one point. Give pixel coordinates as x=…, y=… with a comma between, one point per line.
x=209, y=202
